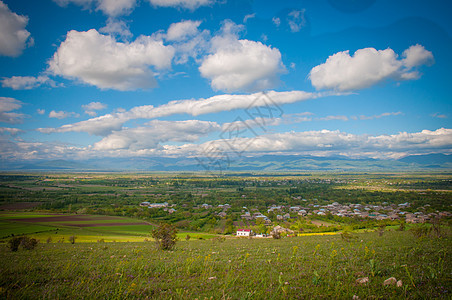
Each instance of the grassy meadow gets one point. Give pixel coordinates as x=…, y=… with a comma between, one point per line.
x=114, y=257
x=304, y=267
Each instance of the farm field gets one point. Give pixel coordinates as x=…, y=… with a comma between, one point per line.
x=57, y=228
x=291, y=268
x=320, y=255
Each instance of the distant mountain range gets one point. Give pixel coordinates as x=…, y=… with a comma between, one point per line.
x=270, y=163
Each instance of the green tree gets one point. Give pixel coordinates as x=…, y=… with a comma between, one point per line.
x=165, y=236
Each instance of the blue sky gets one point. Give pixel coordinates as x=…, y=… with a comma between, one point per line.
x=147, y=78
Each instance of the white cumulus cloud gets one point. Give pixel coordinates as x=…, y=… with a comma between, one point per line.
x=116, y=7
x=182, y=30
x=117, y=28
x=62, y=114
x=187, y=4
x=90, y=109
x=156, y=132
x=386, y=114
x=13, y=35
x=101, y=61
x=417, y=55
x=327, y=142
x=296, y=20
x=248, y=17
x=241, y=64
x=367, y=67
x=331, y=118
x=188, y=40
x=112, y=8
x=104, y=125
x=161, y=138
x=6, y=106
x=27, y=82
x=11, y=131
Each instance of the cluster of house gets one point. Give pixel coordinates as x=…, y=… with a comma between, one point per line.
x=378, y=212
x=255, y=216
x=277, y=229
x=384, y=211
x=225, y=207
x=163, y=205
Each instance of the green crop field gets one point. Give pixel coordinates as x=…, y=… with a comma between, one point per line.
x=8, y=229
x=86, y=228
x=305, y=267
x=134, y=230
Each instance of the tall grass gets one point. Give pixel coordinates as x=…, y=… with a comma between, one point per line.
x=301, y=267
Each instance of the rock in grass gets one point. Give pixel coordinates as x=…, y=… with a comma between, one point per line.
x=390, y=281
x=362, y=280
x=399, y=283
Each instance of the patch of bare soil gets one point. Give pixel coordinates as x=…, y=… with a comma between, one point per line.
x=20, y=206
x=106, y=224
x=63, y=218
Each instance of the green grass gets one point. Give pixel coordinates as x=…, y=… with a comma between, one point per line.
x=134, y=230
x=21, y=215
x=195, y=235
x=309, y=267
x=8, y=229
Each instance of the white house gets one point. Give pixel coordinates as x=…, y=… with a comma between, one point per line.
x=158, y=205
x=244, y=232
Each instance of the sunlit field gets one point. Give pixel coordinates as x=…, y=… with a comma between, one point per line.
x=236, y=268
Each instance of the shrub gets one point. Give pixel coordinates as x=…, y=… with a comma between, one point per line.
x=187, y=238
x=14, y=243
x=424, y=230
x=347, y=236
x=218, y=239
x=24, y=241
x=402, y=226
x=276, y=235
x=72, y=239
x=436, y=227
x=420, y=231
x=165, y=236
x=381, y=229
x=28, y=243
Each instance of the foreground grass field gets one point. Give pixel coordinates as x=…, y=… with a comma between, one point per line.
x=308, y=267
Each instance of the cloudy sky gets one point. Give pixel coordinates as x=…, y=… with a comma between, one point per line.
x=84, y=79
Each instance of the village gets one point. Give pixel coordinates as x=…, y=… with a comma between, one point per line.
x=276, y=215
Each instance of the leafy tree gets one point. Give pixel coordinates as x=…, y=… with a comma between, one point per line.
x=165, y=236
